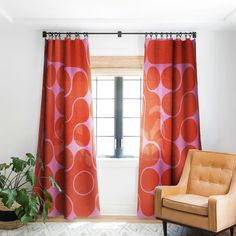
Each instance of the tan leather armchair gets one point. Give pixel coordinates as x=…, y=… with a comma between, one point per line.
x=205, y=196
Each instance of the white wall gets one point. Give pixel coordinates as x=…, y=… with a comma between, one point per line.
x=216, y=53
x=21, y=63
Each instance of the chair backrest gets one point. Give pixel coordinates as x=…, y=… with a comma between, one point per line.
x=210, y=172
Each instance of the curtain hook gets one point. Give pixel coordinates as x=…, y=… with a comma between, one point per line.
x=85, y=35
x=151, y=34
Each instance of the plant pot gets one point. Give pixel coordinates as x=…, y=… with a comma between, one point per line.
x=8, y=218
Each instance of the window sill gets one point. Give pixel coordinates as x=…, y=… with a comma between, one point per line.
x=127, y=162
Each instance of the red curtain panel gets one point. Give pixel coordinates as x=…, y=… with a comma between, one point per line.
x=170, y=117
x=66, y=140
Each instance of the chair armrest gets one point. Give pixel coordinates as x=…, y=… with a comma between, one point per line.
x=163, y=191
x=221, y=211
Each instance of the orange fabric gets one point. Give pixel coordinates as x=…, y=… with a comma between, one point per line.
x=66, y=143
x=210, y=174
x=191, y=203
x=170, y=119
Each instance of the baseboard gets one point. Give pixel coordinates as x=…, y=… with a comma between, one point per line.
x=106, y=218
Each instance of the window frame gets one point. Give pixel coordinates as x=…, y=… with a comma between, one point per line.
x=117, y=66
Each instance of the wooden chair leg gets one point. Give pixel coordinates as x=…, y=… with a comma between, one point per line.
x=164, y=224
x=231, y=231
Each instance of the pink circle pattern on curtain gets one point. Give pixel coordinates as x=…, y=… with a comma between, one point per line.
x=66, y=140
x=170, y=116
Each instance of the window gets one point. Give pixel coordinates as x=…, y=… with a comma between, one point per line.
x=117, y=110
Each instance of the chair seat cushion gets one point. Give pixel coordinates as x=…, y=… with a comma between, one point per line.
x=190, y=203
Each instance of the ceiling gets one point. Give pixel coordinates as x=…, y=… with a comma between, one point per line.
x=120, y=14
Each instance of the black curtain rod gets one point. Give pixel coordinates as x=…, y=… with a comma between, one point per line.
x=119, y=33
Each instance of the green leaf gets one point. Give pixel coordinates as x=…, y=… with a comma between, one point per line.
x=26, y=218
x=46, y=207
x=19, y=212
x=30, y=155
x=8, y=197
x=22, y=197
x=47, y=196
x=2, y=181
x=33, y=207
x=18, y=164
x=30, y=177
x=54, y=184
x=31, y=159
x=4, y=166
x=40, y=162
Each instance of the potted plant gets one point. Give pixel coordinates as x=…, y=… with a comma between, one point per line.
x=19, y=204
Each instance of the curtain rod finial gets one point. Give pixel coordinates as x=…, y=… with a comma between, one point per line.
x=44, y=34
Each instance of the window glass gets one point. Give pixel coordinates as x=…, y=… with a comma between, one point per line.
x=103, y=90
x=105, y=108
x=131, y=89
x=131, y=108
x=131, y=146
x=105, y=126
x=105, y=146
x=131, y=126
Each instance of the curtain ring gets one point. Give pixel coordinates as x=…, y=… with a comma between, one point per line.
x=76, y=36
x=52, y=36
x=68, y=35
